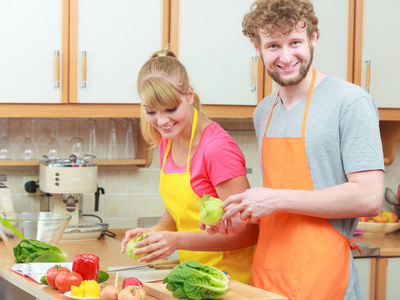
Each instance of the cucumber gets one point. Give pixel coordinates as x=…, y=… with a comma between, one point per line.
x=43, y=280
x=103, y=276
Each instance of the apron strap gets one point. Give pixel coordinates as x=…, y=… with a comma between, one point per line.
x=353, y=246
x=194, y=124
x=310, y=90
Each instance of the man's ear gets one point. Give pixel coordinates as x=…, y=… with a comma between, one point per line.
x=256, y=47
x=314, y=39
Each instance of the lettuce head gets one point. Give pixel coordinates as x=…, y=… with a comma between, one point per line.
x=210, y=210
x=36, y=251
x=131, y=246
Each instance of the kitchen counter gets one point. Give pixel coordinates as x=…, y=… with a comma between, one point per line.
x=388, y=244
x=108, y=249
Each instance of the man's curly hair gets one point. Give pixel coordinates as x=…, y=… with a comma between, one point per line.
x=276, y=17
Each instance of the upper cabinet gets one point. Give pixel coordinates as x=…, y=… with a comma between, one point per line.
x=221, y=62
x=32, y=60
x=377, y=56
x=332, y=55
x=77, y=51
x=110, y=41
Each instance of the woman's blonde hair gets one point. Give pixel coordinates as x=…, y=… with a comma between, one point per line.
x=276, y=17
x=161, y=82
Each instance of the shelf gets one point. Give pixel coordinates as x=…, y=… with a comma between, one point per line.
x=389, y=114
x=79, y=110
x=99, y=162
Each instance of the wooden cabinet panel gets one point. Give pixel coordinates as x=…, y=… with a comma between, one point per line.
x=113, y=40
x=31, y=33
x=221, y=61
x=380, y=32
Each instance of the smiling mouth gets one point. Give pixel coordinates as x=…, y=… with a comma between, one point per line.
x=166, y=128
x=288, y=67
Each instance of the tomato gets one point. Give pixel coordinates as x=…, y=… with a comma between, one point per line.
x=52, y=273
x=65, y=280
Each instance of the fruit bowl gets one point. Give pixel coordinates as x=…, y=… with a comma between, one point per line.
x=43, y=226
x=377, y=228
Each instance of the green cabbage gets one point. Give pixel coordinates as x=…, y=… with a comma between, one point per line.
x=193, y=280
x=130, y=247
x=36, y=251
x=210, y=210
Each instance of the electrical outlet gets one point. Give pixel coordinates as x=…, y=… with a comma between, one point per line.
x=29, y=179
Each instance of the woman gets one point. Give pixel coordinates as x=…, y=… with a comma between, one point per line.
x=197, y=157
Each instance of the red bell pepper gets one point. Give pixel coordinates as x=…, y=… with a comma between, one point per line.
x=131, y=281
x=88, y=265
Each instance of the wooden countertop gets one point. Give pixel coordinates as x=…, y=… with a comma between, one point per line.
x=108, y=249
x=389, y=244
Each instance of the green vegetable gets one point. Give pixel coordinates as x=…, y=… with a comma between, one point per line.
x=210, y=210
x=193, y=280
x=36, y=251
x=103, y=276
x=44, y=280
x=130, y=247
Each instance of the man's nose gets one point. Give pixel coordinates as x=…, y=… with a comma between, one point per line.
x=286, y=55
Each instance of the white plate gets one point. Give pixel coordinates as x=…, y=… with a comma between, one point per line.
x=377, y=228
x=68, y=294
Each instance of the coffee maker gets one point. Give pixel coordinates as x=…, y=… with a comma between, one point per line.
x=64, y=182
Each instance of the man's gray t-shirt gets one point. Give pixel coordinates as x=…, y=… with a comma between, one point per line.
x=342, y=135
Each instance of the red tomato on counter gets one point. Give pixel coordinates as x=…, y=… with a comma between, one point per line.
x=52, y=273
x=65, y=280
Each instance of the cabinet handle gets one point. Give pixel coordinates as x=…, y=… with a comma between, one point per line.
x=368, y=86
x=255, y=67
x=58, y=69
x=84, y=66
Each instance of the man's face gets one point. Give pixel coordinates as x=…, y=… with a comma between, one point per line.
x=287, y=58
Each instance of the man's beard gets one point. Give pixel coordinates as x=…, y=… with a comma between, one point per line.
x=302, y=73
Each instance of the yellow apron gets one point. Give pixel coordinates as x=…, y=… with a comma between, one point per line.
x=181, y=202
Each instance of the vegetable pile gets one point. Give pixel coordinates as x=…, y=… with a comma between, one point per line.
x=36, y=251
x=210, y=210
x=191, y=279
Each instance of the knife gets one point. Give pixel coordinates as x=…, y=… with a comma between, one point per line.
x=168, y=264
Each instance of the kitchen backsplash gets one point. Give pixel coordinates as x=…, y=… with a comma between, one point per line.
x=130, y=192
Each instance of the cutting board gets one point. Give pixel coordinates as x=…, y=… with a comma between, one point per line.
x=237, y=290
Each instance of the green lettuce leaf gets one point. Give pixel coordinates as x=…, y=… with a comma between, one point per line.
x=36, y=251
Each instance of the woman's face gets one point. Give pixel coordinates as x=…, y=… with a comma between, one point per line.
x=172, y=122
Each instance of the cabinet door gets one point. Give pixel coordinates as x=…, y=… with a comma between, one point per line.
x=112, y=41
x=381, y=31
x=220, y=60
x=363, y=266
x=30, y=35
x=392, y=283
x=331, y=53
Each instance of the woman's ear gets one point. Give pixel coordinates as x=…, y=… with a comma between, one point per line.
x=191, y=95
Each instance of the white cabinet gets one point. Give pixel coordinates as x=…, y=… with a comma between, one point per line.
x=366, y=268
x=30, y=35
x=392, y=279
x=331, y=53
x=219, y=59
x=380, y=44
x=113, y=40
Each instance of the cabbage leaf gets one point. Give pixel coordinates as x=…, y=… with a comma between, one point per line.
x=36, y=251
x=193, y=280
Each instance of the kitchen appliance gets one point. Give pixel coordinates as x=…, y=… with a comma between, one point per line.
x=64, y=182
x=6, y=203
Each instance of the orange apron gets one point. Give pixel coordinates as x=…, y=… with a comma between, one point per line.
x=297, y=256
x=181, y=202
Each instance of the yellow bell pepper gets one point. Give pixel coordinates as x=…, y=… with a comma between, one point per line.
x=88, y=288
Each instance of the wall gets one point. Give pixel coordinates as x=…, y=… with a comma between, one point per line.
x=130, y=192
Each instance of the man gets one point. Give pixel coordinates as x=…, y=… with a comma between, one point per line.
x=322, y=163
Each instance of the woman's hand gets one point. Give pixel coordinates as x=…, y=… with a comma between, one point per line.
x=158, y=245
x=229, y=227
x=131, y=234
